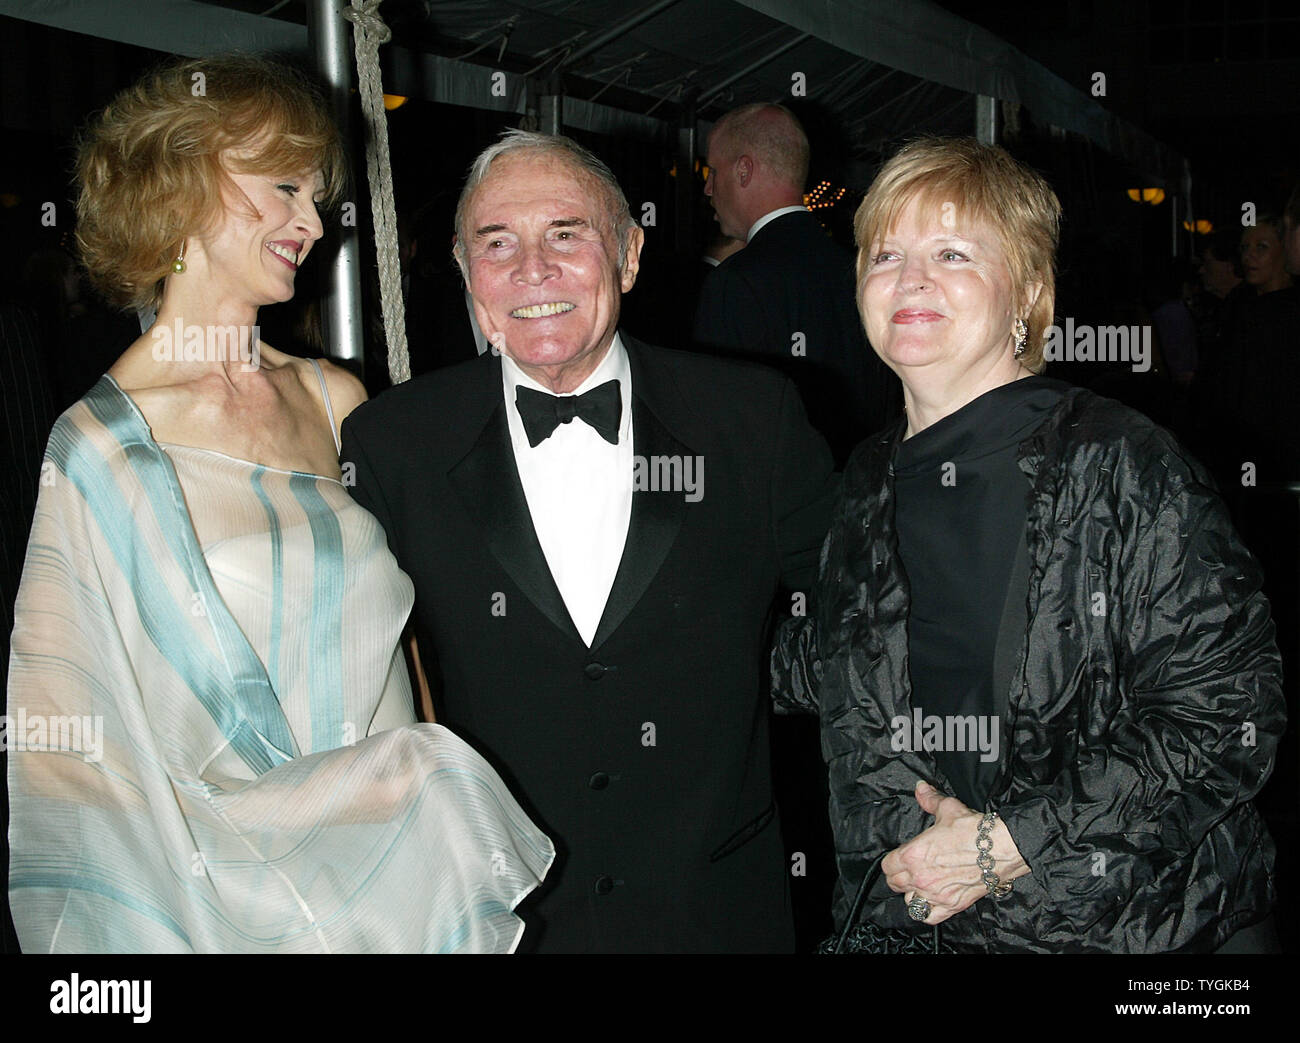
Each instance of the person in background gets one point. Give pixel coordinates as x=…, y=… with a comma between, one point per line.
x=1218, y=299
x=1174, y=325
x=1265, y=356
x=1220, y=271
x=1291, y=230
x=787, y=298
x=1264, y=257
x=1037, y=641
x=1217, y=307
x=720, y=247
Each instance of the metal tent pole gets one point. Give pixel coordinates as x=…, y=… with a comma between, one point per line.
x=986, y=119
x=327, y=34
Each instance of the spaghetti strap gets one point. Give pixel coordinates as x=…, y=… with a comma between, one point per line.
x=329, y=409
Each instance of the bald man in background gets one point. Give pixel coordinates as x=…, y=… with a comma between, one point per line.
x=788, y=298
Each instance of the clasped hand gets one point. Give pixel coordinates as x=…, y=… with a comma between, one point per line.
x=939, y=865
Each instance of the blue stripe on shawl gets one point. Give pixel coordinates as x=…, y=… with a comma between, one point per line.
x=325, y=655
x=247, y=712
x=81, y=881
x=277, y=577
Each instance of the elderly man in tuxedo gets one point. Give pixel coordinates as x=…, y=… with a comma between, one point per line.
x=597, y=530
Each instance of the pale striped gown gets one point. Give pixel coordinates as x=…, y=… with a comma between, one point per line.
x=229, y=632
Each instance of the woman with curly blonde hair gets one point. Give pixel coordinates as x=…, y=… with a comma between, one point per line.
x=213, y=744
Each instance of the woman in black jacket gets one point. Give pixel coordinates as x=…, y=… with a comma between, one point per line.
x=1046, y=674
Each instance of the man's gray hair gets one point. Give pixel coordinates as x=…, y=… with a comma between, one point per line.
x=618, y=214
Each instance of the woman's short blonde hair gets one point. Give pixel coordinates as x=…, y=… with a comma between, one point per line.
x=982, y=183
x=152, y=166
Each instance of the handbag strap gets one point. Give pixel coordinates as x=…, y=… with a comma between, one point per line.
x=859, y=899
x=855, y=910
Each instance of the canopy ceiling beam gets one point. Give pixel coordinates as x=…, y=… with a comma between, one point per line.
x=915, y=36
x=192, y=29
x=771, y=56
x=619, y=29
x=181, y=27
x=922, y=39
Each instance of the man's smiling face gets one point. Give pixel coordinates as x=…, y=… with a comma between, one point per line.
x=543, y=267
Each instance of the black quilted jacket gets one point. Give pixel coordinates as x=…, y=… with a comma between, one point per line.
x=1144, y=713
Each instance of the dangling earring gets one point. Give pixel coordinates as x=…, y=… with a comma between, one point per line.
x=178, y=265
x=1022, y=337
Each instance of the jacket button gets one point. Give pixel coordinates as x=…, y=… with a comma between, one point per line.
x=604, y=885
x=594, y=671
x=598, y=781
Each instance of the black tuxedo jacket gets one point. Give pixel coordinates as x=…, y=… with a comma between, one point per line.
x=792, y=279
x=644, y=757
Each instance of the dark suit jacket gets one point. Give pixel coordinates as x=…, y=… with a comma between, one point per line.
x=792, y=279
x=645, y=757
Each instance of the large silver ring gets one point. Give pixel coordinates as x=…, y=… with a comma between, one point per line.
x=918, y=908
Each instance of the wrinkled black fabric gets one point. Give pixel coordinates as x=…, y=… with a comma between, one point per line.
x=1144, y=718
x=959, y=502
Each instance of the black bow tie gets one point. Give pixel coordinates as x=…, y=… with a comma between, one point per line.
x=601, y=408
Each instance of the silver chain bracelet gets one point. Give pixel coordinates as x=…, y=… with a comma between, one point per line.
x=984, y=845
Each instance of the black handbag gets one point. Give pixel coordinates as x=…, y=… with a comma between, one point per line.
x=868, y=938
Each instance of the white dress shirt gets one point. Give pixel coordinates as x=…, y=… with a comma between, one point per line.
x=771, y=215
x=579, y=491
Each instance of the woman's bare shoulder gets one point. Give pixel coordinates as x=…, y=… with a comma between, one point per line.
x=346, y=391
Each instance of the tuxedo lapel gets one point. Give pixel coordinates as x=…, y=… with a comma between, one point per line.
x=487, y=481
x=656, y=516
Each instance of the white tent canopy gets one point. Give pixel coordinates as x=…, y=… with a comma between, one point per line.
x=885, y=68
x=881, y=70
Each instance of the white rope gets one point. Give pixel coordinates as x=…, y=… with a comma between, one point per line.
x=369, y=33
